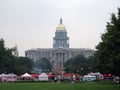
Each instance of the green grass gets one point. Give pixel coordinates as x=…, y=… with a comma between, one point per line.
x=59, y=86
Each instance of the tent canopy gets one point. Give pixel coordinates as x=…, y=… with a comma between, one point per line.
x=43, y=77
x=26, y=75
x=88, y=76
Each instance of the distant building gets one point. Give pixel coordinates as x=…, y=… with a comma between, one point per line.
x=15, y=51
x=60, y=52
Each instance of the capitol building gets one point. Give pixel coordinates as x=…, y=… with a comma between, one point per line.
x=60, y=52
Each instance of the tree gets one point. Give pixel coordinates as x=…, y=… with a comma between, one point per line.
x=43, y=64
x=6, y=58
x=80, y=64
x=92, y=61
x=108, y=50
x=11, y=64
x=23, y=65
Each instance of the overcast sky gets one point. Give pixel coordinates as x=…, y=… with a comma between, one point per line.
x=32, y=23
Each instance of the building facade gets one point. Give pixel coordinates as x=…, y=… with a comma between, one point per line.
x=60, y=52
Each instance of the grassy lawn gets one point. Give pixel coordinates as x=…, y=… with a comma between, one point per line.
x=58, y=86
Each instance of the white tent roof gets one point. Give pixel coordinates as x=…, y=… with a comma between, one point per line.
x=11, y=74
x=26, y=75
x=43, y=75
x=1, y=75
x=97, y=73
x=88, y=76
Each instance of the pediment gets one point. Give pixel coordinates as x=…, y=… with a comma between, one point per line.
x=60, y=50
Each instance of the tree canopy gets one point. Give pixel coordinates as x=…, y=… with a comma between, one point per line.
x=80, y=64
x=11, y=64
x=43, y=64
x=108, y=50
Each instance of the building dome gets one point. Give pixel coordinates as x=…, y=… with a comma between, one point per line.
x=61, y=27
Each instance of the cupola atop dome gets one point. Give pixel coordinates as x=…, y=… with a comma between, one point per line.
x=61, y=27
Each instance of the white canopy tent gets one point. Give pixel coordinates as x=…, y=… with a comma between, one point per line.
x=98, y=75
x=26, y=75
x=43, y=77
x=8, y=77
